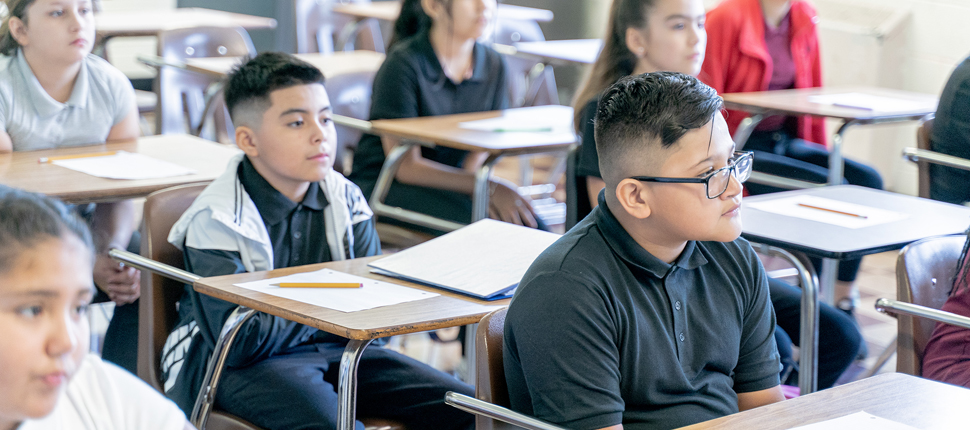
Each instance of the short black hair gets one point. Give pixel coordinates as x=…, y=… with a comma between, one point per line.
x=249, y=85
x=652, y=109
x=28, y=218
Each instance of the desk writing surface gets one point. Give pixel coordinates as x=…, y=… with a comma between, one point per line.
x=151, y=22
x=796, y=102
x=926, y=218
x=389, y=11
x=581, y=51
x=446, y=131
x=445, y=310
x=334, y=64
x=917, y=402
x=208, y=159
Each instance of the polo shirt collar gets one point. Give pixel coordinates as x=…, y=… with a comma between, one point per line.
x=44, y=104
x=479, y=74
x=273, y=206
x=630, y=251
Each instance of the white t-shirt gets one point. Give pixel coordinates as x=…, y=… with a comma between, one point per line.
x=102, y=396
x=102, y=97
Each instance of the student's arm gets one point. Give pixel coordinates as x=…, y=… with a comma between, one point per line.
x=125, y=115
x=759, y=398
x=127, y=129
x=6, y=145
x=112, y=226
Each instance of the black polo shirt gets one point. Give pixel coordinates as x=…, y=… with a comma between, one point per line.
x=411, y=83
x=601, y=333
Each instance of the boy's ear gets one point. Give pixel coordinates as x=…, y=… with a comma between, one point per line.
x=246, y=141
x=634, y=197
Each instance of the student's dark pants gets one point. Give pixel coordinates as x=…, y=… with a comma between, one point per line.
x=299, y=391
x=780, y=154
x=838, y=337
x=443, y=204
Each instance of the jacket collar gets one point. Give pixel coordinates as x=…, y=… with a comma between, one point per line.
x=273, y=205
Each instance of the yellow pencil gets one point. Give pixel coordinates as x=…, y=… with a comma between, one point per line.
x=71, y=157
x=321, y=285
x=833, y=211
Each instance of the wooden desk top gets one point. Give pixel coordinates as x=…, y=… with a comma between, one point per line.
x=208, y=159
x=926, y=218
x=389, y=11
x=445, y=310
x=795, y=102
x=151, y=22
x=917, y=402
x=445, y=131
x=580, y=51
x=334, y=64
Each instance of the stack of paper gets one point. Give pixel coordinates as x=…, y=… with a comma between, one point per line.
x=372, y=295
x=124, y=165
x=870, y=102
x=485, y=260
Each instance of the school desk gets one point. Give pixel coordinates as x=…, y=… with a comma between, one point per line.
x=905, y=399
x=797, y=102
x=447, y=131
x=557, y=52
x=151, y=22
x=921, y=218
x=361, y=327
x=334, y=64
x=22, y=169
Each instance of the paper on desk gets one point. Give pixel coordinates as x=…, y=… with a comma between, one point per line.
x=789, y=206
x=869, y=102
x=373, y=294
x=857, y=421
x=125, y=165
x=543, y=119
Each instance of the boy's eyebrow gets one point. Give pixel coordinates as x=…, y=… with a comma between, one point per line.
x=301, y=110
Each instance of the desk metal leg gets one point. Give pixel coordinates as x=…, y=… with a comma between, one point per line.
x=480, y=194
x=471, y=331
x=347, y=384
x=347, y=34
x=829, y=274
x=836, y=164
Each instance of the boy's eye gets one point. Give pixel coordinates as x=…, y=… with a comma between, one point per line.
x=297, y=123
x=82, y=309
x=679, y=26
x=84, y=10
x=57, y=13
x=30, y=311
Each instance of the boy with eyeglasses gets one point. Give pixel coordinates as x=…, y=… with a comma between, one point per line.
x=652, y=312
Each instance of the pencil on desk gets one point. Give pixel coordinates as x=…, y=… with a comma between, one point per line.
x=71, y=157
x=321, y=285
x=523, y=130
x=832, y=210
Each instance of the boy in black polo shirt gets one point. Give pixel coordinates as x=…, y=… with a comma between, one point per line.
x=652, y=312
x=281, y=205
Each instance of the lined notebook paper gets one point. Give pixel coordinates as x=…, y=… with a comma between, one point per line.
x=485, y=260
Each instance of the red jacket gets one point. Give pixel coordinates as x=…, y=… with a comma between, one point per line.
x=737, y=58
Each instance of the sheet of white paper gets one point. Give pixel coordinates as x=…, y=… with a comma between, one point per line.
x=373, y=294
x=545, y=119
x=857, y=421
x=869, y=102
x=790, y=206
x=125, y=165
x=481, y=259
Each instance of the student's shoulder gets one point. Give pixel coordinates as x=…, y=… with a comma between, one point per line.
x=103, y=71
x=123, y=394
x=728, y=13
x=576, y=264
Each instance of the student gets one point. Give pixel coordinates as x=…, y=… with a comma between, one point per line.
x=435, y=66
x=280, y=205
x=951, y=136
x=668, y=35
x=651, y=312
x=53, y=94
x=946, y=357
x=762, y=45
x=49, y=380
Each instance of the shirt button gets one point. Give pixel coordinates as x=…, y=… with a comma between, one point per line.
x=682, y=337
x=297, y=235
x=677, y=306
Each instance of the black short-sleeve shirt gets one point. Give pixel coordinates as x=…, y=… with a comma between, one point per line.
x=601, y=333
x=587, y=163
x=411, y=83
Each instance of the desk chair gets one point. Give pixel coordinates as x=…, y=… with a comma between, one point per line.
x=160, y=295
x=182, y=104
x=318, y=29
x=350, y=96
x=531, y=83
x=924, y=278
x=923, y=155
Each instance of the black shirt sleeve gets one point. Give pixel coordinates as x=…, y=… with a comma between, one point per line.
x=587, y=161
x=366, y=241
x=758, y=364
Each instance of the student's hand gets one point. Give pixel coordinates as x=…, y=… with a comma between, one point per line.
x=121, y=283
x=507, y=205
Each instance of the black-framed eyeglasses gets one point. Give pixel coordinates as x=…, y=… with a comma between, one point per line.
x=716, y=182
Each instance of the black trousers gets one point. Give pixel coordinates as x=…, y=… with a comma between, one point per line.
x=838, y=336
x=780, y=154
x=298, y=390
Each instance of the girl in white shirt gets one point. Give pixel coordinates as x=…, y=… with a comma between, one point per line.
x=48, y=380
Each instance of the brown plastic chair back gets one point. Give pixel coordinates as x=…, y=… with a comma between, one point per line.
x=923, y=134
x=543, y=91
x=181, y=94
x=924, y=276
x=350, y=95
x=490, y=371
x=317, y=28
